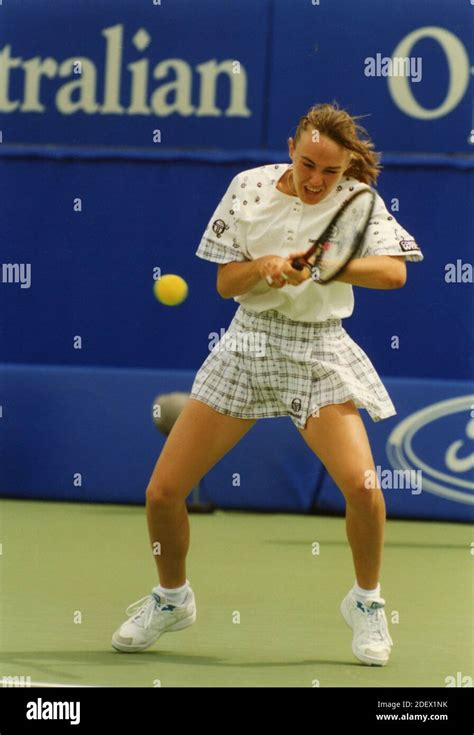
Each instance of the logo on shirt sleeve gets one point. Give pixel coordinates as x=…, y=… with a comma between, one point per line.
x=219, y=226
x=407, y=245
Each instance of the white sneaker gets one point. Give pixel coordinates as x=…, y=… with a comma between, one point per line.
x=149, y=618
x=371, y=643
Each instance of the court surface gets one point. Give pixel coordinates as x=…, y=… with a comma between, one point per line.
x=62, y=563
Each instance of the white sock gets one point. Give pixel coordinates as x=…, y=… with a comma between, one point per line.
x=364, y=595
x=175, y=595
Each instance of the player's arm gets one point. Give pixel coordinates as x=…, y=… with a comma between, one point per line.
x=375, y=271
x=236, y=278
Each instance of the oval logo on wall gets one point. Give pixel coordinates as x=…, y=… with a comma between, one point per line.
x=439, y=441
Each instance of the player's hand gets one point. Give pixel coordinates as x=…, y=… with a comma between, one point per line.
x=307, y=273
x=297, y=276
x=278, y=271
x=271, y=268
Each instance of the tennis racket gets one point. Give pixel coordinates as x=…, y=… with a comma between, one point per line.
x=331, y=252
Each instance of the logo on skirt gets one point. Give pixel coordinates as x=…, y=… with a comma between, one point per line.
x=296, y=405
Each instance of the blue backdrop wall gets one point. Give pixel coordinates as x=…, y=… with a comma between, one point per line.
x=95, y=104
x=92, y=271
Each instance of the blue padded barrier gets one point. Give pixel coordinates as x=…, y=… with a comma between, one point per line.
x=62, y=423
x=59, y=422
x=433, y=434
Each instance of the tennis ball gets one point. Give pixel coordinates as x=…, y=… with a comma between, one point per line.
x=170, y=289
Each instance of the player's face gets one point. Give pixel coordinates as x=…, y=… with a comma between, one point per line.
x=319, y=164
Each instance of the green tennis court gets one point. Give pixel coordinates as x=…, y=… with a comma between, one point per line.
x=267, y=603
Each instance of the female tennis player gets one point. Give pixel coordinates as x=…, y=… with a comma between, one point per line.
x=311, y=371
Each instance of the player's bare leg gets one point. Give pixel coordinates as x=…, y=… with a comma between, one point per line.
x=338, y=437
x=197, y=441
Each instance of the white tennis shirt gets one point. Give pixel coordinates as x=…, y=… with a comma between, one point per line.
x=254, y=219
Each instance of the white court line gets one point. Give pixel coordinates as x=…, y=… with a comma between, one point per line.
x=52, y=685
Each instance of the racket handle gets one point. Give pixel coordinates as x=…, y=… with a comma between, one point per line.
x=298, y=264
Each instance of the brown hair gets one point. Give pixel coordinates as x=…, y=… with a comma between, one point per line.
x=343, y=129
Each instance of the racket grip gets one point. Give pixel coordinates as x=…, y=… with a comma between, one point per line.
x=298, y=264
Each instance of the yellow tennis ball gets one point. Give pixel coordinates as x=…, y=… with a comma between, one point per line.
x=170, y=289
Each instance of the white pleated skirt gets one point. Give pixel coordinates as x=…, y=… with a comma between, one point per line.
x=268, y=365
